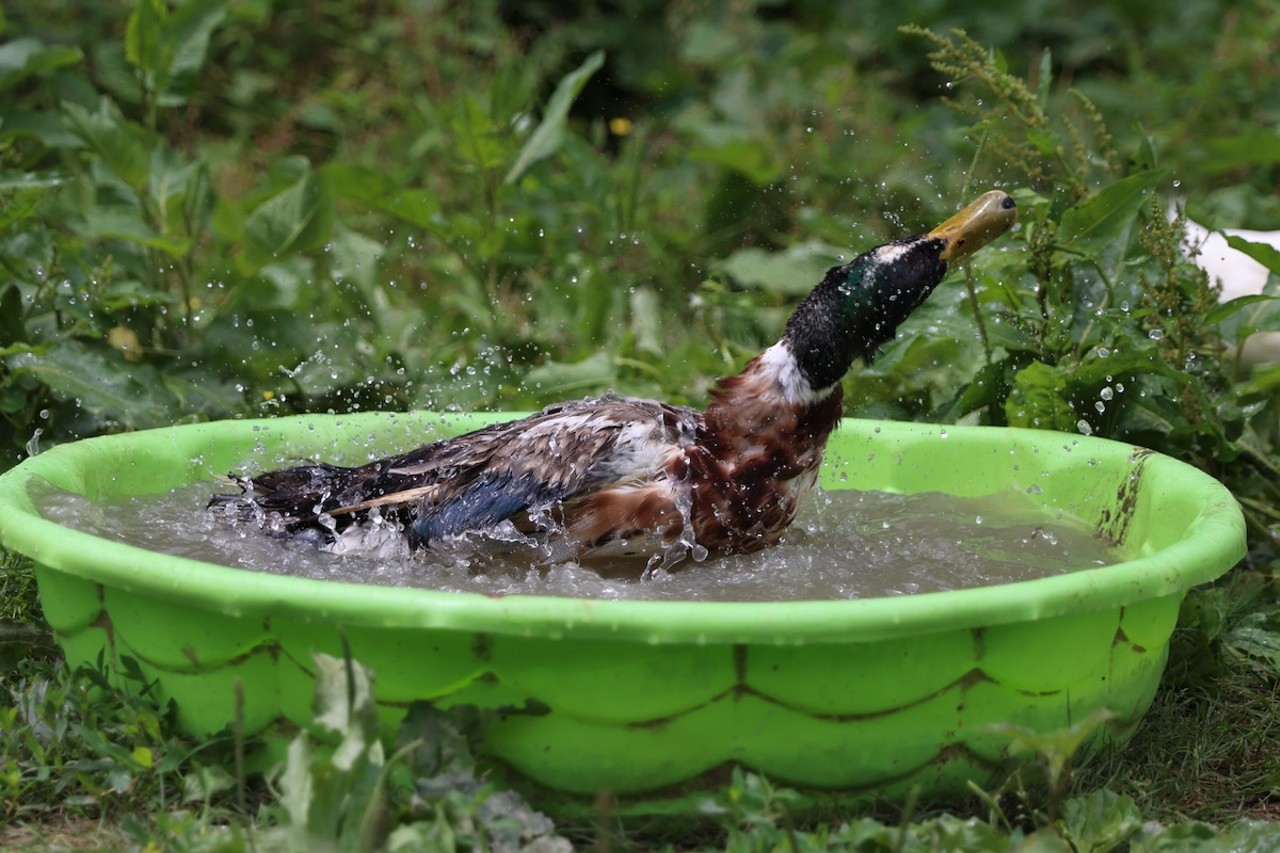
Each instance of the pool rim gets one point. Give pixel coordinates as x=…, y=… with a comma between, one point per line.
x=1217, y=530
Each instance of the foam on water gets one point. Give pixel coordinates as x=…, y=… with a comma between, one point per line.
x=844, y=544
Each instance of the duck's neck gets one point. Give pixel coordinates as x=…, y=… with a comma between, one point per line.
x=774, y=378
x=773, y=397
x=857, y=308
x=794, y=385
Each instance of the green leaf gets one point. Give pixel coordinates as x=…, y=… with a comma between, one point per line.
x=23, y=58
x=288, y=286
x=1142, y=359
x=1258, y=637
x=1196, y=837
x=203, y=783
x=999, y=60
x=755, y=159
x=794, y=271
x=18, y=205
x=1264, y=253
x=1146, y=156
x=441, y=741
x=180, y=191
x=1042, y=140
x=1251, y=149
x=202, y=394
x=296, y=788
x=294, y=221
x=982, y=391
x=118, y=142
x=129, y=293
x=30, y=181
x=145, y=45
x=708, y=42
x=546, y=138
x=125, y=222
x=1226, y=309
x=554, y=378
x=1045, y=82
x=1038, y=399
x=479, y=139
x=344, y=695
x=376, y=191
x=188, y=32
x=101, y=383
x=1099, y=220
x=1100, y=821
x=355, y=259
x=1054, y=748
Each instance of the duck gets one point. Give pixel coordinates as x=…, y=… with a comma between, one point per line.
x=635, y=475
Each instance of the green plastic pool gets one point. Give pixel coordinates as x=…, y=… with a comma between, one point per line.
x=872, y=695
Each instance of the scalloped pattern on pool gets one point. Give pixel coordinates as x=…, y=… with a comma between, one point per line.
x=634, y=717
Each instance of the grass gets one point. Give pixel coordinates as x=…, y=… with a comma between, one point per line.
x=74, y=834
x=1206, y=750
x=1204, y=753
x=192, y=196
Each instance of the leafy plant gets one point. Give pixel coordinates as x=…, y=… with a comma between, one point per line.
x=1102, y=325
x=74, y=741
x=425, y=796
x=1055, y=750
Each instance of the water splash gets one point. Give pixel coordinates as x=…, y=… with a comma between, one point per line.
x=844, y=545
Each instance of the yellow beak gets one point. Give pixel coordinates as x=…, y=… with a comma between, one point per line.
x=976, y=225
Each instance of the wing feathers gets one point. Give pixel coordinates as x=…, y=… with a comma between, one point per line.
x=477, y=480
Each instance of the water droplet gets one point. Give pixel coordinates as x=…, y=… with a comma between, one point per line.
x=1155, y=334
x=1083, y=426
x=1106, y=393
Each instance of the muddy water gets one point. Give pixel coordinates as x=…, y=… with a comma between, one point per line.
x=845, y=544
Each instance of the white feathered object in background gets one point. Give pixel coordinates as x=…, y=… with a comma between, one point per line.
x=1238, y=275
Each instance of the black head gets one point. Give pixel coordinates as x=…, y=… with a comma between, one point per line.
x=859, y=306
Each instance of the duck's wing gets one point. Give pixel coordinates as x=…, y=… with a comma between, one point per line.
x=476, y=480
x=561, y=453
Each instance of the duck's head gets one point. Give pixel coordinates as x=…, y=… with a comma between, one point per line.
x=858, y=306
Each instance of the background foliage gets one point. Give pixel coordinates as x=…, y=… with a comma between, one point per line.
x=217, y=209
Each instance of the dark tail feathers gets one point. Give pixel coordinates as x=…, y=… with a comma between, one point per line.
x=297, y=495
